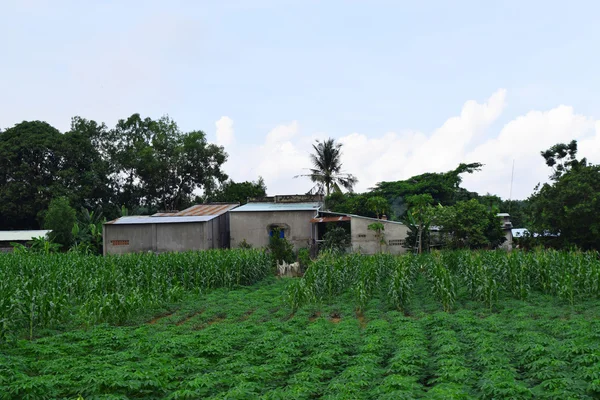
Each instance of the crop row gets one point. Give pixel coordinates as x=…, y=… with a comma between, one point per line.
x=48, y=291
x=481, y=276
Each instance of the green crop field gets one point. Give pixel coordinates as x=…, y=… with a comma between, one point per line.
x=214, y=325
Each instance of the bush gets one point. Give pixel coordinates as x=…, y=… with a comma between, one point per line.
x=281, y=249
x=60, y=218
x=336, y=240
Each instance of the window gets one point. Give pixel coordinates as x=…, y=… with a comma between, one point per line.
x=395, y=242
x=362, y=235
x=281, y=232
x=119, y=242
x=282, y=228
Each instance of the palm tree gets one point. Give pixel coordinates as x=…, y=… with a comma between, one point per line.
x=327, y=168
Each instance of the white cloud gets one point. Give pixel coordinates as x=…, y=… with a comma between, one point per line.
x=281, y=157
x=225, y=134
x=462, y=138
x=399, y=156
x=522, y=140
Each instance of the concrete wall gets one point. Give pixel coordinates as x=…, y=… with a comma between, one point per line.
x=508, y=244
x=253, y=226
x=135, y=238
x=366, y=241
x=180, y=237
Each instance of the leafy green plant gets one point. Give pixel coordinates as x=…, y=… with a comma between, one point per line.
x=379, y=229
x=336, y=240
x=280, y=248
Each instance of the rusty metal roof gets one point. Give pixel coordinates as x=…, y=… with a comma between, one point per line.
x=198, y=210
x=197, y=213
x=330, y=219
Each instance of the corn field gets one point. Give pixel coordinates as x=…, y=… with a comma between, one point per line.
x=49, y=291
x=480, y=276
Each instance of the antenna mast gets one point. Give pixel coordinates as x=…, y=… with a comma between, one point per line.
x=512, y=175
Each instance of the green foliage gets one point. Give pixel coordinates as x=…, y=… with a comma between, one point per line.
x=561, y=158
x=44, y=246
x=379, y=229
x=158, y=165
x=336, y=240
x=281, y=249
x=242, y=342
x=569, y=208
x=233, y=192
x=60, y=218
x=442, y=187
x=304, y=258
x=47, y=291
x=29, y=161
x=87, y=232
x=469, y=224
x=350, y=203
x=245, y=245
x=378, y=205
x=418, y=219
x=141, y=164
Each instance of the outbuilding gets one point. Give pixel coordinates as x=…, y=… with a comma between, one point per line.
x=364, y=240
x=8, y=238
x=200, y=227
x=254, y=222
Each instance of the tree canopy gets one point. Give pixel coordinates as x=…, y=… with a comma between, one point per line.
x=141, y=164
x=569, y=207
x=239, y=192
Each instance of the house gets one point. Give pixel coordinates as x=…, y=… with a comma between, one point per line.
x=364, y=240
x=21, y=237
x=257, y=220
x=200, y=227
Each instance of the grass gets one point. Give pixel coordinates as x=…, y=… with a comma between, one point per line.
x=245, y=344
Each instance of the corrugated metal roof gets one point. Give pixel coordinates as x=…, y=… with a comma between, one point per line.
x=330, y=219
x=19, y=236
x=146, y=219
x=214, y=209
x=313, y=206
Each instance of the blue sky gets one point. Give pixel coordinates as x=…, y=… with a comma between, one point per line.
x=408, y=87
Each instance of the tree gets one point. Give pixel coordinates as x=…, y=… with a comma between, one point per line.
x=86, y=175
x=569, y=207
x=379, y=229
x=444, y=188
x=158, y=166
x=327, y=168
x=379, y=205
x=60, y=218
x=231, y=191
x=469, y=224
x=350, y=203
x=29, y=161
x=336, y=240
x=561, y=158
x=419, y=216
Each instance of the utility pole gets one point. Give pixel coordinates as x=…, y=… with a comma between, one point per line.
x=512, y=175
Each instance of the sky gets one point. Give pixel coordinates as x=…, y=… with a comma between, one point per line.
x=407, y=87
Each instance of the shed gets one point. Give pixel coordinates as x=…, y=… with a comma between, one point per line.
x=200, y=227
x=256, y=221
x=21, y=237
x=363, y=239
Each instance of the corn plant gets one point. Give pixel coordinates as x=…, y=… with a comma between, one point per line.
x=47, y=290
